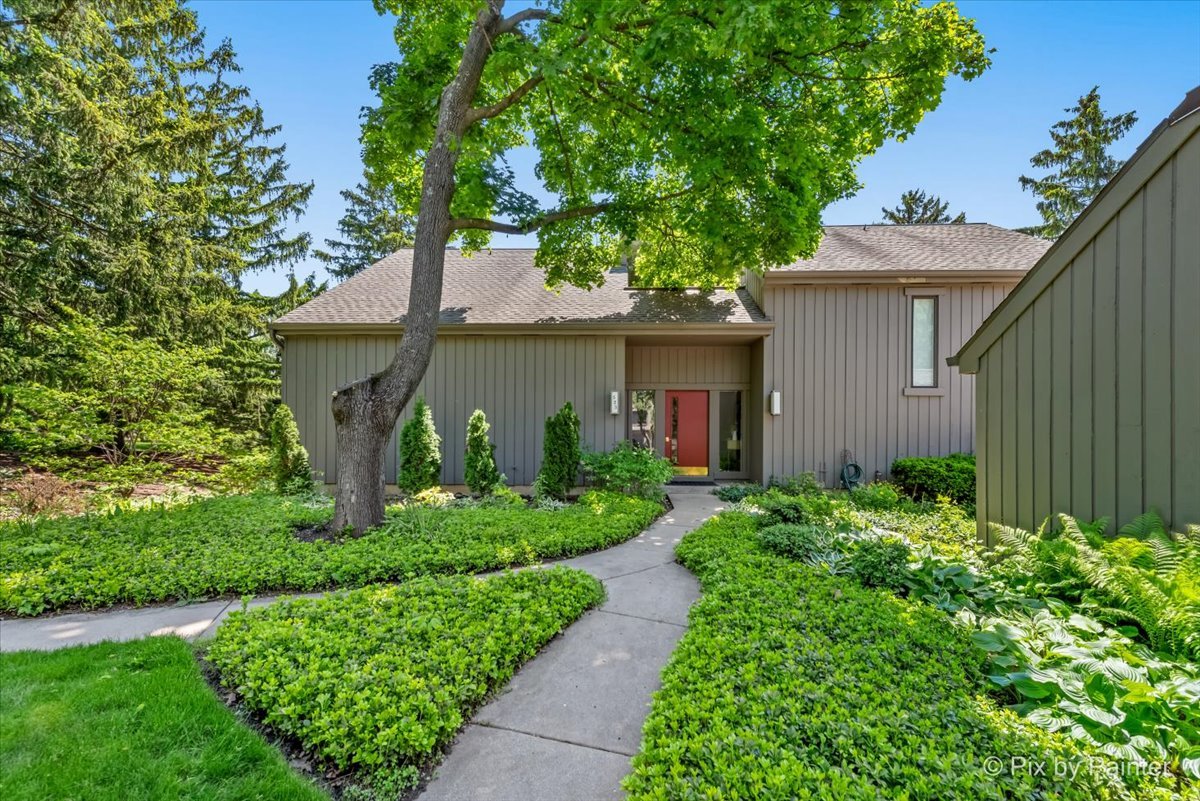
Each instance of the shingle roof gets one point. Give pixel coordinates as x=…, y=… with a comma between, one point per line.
x=503, y=287
x=909, y=248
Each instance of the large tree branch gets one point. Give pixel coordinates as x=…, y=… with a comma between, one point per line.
x=487, y=112
x=510, y=23
x=480, y=223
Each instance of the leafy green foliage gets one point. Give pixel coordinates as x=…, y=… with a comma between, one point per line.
x=371, y=229
x=1152, y=582
x=918, y=208
x=238, y=545
x=732, y=493
x=724, y=163
x=944, y=527
x=778, y=507
x=128, y=720
x=877, y=496
x=420, y=451
x=561, y=454
x=880, y=562
x=383, y=677
x=799, y=484
x=630, y=470
x=802, y=542
x=792, y=684
x=289, y=460
x=479, y=463
x=928, y=477
x=1080, y=162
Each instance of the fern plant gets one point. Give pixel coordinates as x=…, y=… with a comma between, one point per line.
x=1147, y=577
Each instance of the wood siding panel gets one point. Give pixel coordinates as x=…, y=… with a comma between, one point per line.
x=518, y=381
x=838, y=356
x=681, y=366
x=1107, y=402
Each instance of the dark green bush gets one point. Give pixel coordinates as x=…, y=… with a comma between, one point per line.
x=420, y=451
x=880, y=562
x=797, y=541
x=799, y=484
x=790, y=684
x=380, y=678
x=629, y=469
x=927, y=477
x=290, y=468
x=878, y=496
x=732, y=493
x=778, y=507
x=479, y=462
x=247, y=544
x=561, y=454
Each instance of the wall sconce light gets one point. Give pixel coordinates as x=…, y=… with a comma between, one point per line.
x=776, y=403
x=614, y=403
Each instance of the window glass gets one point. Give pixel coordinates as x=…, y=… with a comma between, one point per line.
x=924, y=342
x=641, y=417
x=729, y=431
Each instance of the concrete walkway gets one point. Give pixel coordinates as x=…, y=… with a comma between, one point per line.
x=568, y=722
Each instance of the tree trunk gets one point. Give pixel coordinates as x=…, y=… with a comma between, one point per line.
x=365, y=411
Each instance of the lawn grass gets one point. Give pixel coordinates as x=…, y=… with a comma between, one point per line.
x=792, y=683
x=378, y=680
x=238, y=545
x=128, y=721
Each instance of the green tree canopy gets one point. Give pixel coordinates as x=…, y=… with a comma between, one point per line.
x=1079, y=163
x=918, y=208
x=371, y=228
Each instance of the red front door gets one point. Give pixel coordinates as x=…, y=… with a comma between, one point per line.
x=686, y=441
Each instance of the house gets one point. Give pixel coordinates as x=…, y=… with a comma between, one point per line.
x=836, y=358
x=1088, y=374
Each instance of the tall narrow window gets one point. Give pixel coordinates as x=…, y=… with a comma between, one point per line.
x=924, y=342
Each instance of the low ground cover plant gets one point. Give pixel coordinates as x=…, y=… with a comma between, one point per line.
x=379, y=679
x=927, y=477
x=732, y=493
x=629, y=469
x=119, y=721
x=790, y=683
x=248, y=544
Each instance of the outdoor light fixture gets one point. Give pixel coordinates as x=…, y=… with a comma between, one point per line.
x=776, y=403
x=614, y=403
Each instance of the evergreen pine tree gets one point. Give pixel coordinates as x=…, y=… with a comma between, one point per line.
x=479, y=464
x=918, y=208
x=1079, y=162
x=371, y=228
x=420, y=451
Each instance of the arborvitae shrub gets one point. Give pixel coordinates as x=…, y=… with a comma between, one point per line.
x=420, y=451
x=290, y=468
x=561, y=455
x=479, y=464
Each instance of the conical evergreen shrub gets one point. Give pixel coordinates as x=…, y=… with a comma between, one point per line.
x=420, y=451
x=479, y=464
x=290, y=468
x=561, y=455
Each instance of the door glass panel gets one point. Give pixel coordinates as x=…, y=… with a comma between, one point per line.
x=729, y=429
x=641, y=417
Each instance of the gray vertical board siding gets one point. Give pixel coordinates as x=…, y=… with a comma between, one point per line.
x=682, y=366
x=1107, y=400
x=518, y=381
x=838, y=355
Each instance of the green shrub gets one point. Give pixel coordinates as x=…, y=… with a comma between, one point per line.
x=383, y=677
x=247, y=544
x=502, y=496
x=732, y=493
x=943, y=526
x=247, y=472
x=880, y=562
x=630, y=470
x=479, y=462
x=799, y=484
x=927, y=477
x=290, y=468
x=778, y=507
x=792, y=684
x=797, y=541
x=561, y=454
x=879, y=496
x=420, y=451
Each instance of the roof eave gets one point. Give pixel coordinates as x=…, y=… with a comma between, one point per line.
x=907, y=277
x=530, y=329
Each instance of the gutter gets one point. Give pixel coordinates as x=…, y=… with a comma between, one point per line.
x=531, y=329
x=895, y=277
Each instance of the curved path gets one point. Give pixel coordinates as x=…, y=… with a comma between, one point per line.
x=570, y=719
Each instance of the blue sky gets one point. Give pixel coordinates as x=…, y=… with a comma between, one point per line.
x=307, y=62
